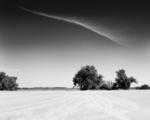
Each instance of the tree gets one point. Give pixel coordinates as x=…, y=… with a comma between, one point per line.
x=122, y=81
x=2, y=76
x=7, y=82
x=87, y=78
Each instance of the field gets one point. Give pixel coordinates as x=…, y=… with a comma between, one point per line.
x=75, y=105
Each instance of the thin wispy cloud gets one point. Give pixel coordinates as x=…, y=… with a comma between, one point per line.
x=74, y=20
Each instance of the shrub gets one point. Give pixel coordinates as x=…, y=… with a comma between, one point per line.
x=115, y=86
x=107, y=85
x=145, y=86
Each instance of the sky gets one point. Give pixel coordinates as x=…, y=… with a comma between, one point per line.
x=45, y=43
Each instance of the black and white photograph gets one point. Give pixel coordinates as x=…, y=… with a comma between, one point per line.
x=74, y=60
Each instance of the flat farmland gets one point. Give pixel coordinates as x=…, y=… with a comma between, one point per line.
x=75, y=105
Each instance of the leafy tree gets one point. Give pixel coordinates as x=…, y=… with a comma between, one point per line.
x=87, y=78
x=7, y=82
x=122, y=81
x=2, y=76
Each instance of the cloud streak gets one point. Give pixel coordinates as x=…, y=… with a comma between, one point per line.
x=75, y=21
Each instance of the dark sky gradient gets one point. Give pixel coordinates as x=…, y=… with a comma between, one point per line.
x=48, y=52
x=127, y=22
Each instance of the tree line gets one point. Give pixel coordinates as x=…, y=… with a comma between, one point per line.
x=87, y=78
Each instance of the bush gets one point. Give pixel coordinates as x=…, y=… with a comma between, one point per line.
x=107, y=85
x=115, y=86
x=7, y=82
x=87, y=78
x=144, y=87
